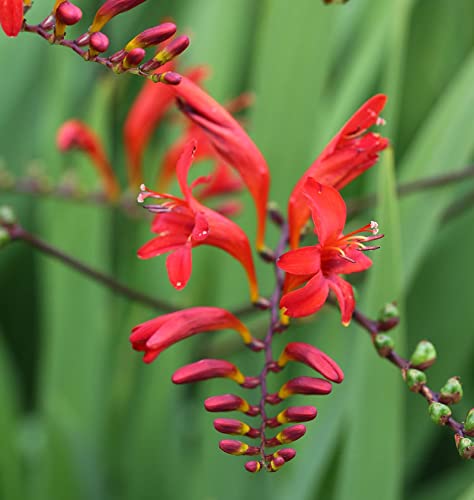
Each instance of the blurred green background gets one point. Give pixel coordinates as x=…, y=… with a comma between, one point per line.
x=81, y=417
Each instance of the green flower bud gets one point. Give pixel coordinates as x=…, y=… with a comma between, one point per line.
x=5, y=237
x=451, y=392
x=439, y=413
x=415, y=379
x=424, y=355
x=384, y=344
x=469, y=423
x=465, y=447
x=7, y=216
x=389, y=311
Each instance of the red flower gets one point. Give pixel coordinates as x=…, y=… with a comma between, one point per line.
x=231, y=142
x=350, y=153
x=320, y=265
x=182, y=224
x=109, y=9
x=11, y=16
x=158, y=334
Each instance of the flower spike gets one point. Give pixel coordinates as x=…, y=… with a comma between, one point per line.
x=11, y=16
x=158, y=334
x=75, y=134
x=231, y=142
x=350, y=153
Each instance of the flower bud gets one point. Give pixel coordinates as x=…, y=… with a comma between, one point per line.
x=423, y=356
x=297, y=414
x=236, y=427
x=7, y=216
x=451, y=392
x=5, y=237
x=469, y=423
x=133, y=58
x=234, y=447
x=287, y=435
x=465, y=447
x=99, y=42
x=304, y=385
x=11, y=16
x=439, y=413
x=389, y=317
x=230, y=402
x=286, y=453
x=312, y=357
x=109, y=9
x=168, y=77
x=152, y=36
x=277, y=463
x=384, y=344
x=206, y=369
x=67, y=13
x=253, y=466
x=172, y=50
x=415, y=379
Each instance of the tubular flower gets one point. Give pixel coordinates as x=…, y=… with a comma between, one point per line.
x=11, y=16
x=158, y=334
x=182, y=224
x=350, y=153
x=231, y=142
x=75, y=134
x=110, y=9
x=320, y=265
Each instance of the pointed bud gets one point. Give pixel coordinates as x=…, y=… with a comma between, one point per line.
x=206, y=369
x=253, y=466
x=451, y=392
x=230, y=402
x=389, y=317
x=465, y=447
x=304, y=385
x=287, y=435
x=297, y=414
x=7, y=216
x=236, y=427
x=69, y=14
x=384, y=344
x=312, y=357
x=469, y=423
x=110, y=9
x=439, y=413
x=172, y=50
x=277, y=463
x=234, y=447
x=133, y=58
x=423, y=356
x=415, y=379
x=98, y=42
x=152, y=36
x=168, y=77
x=286, y=453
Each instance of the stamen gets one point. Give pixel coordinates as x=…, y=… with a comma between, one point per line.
x=380, y=122
x=343, y=254
x=374, y=226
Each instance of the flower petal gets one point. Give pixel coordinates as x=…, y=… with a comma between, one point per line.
x=11, y=16
x=201, y=228
x=333, y=263
x=162, y=244
x=308, y=299
x=305, y=260
x=327, y=209
x=345, y=297
x=179, y=266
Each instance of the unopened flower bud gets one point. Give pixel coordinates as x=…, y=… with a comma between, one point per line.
x=172, y=50
x=469, y=423
x=465, y=447
x=304, y=385
x=234, y=447
x=236, y=427
x=389, y=317
x=168, y=77
x=68, y=13
x=423, y=356
x=277, y=463
x=152, y=36
x=287, y=435
x=451, y=392
x=297, y=414
x=7, y=216
x=230, y=402
x=253, y=466
x=109, y=9
x=206, y=369
x=99, y=42
x=439, y=413
x=5, y=237
x=415, y=379
x=384, y=344
x=286, y=453
x=134, y=58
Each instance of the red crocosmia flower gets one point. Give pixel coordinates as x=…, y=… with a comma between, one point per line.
x=231, y=142
x=182, y=224
x=158, y=334
x=110, y=9
x=11, y=16
x=148, y=109
x=350, y=153
x=75, y=134
x=320, y=265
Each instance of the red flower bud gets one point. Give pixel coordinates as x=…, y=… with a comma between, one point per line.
x=297, y=414
x=253, y=466
x=152, y=36
x=286, y=453
x=230, y=402
x=110, y=9
x=234, y=447
x=133, y=58
x=99, y=42
x=287, y=435
x=206, y=369
x=68, y=13
x=304, y=385
x=312, y=357
x=236, y=427
x=11, y=16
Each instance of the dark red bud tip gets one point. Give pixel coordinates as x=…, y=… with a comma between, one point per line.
x=170, y=77
x=99, y=42
x=305, y=385
x=297, y=414
x=253, y=466
x=152, y=36
x=177, y=46
x=291, y=434
x=231, y=426
x=286, y=453
x=226, y=402
x=134, y=57
x=234, y=447
x=68, y=13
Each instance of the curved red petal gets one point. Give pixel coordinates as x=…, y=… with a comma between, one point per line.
x=11, y=16
x=308, y=299
x=179, y=266
x=162, y=244
x=333, y=263
x=327, y=209
x=345, y=297
x=201, y=228
x=305, y=260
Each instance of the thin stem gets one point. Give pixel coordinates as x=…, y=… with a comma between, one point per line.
x=19, y=234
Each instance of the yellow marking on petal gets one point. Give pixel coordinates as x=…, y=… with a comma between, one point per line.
x=282, y=418
x=238, y=376
x=274, y=467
